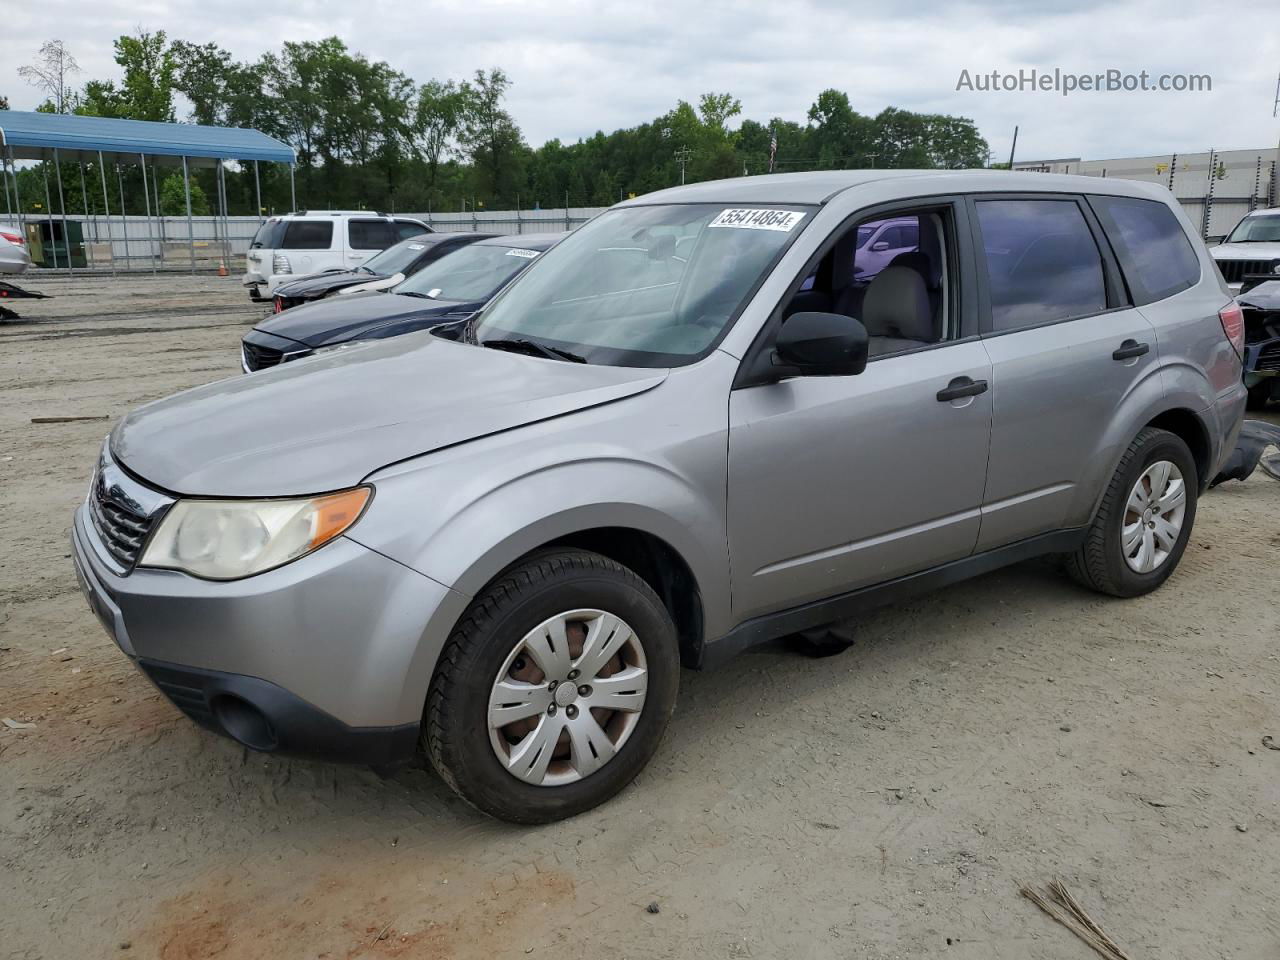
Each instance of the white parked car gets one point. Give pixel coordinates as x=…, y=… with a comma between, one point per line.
x=298, y=244
x=1251, y=253
x=13, y=250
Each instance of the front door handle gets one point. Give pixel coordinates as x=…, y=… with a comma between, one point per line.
x=960, y=388
x=1130, y=349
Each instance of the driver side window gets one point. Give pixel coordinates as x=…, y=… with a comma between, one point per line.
x=891, y=273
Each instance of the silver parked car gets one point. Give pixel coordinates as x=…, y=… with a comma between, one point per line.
x=686, y=429
x=14, y=259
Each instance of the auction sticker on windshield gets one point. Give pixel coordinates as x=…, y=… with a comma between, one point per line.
x=521, y=252
x=749, y=218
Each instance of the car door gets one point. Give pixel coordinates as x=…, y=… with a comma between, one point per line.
x=1066, y=348
x=839, y=482
x=365, y=237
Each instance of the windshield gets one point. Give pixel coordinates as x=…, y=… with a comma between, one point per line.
x=476, y=272
x=644, y=286
x=1256, y=230
x=395, y=259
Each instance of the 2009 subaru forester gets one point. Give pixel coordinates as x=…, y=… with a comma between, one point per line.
x=697, y=423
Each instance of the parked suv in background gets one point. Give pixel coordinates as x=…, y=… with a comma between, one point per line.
x=297, y=244
x=684, y=430
x=1251, y=253
x=447, y=290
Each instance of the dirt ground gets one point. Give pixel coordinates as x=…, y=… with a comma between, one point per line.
x=884, y=803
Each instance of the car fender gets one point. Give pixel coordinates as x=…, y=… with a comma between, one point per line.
x=1145, y=402
x=473, y=540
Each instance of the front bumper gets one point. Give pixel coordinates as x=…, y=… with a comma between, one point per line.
x=329, y=656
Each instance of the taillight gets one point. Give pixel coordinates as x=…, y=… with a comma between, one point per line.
x=14, y=238
x=279, y=304
x=280, y=264
x=1232, y=318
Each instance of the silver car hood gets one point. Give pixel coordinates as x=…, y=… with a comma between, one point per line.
x=327, y=422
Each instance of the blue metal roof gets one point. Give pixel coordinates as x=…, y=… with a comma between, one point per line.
x=32, y=135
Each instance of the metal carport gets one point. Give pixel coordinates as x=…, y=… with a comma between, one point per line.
x=63, y=138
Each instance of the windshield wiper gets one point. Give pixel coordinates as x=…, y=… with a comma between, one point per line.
x=415, y=293
x=520, y=345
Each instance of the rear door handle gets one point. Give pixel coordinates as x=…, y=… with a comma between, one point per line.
x=1130, y=349
x=960, y=388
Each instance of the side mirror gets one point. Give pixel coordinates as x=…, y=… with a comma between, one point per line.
x=880, y=246
x=822, y=345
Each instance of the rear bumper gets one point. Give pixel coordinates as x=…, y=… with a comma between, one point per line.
x=1229, y=412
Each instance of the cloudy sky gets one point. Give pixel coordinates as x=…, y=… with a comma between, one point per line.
x=582, y=66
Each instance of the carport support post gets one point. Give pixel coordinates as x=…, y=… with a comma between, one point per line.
x=293, y=189
x=4, y=175
x=17, y=198
x=124, y=224
x=146, y=204
x=48, y=207
x=191, y=230
x=155, y=192
x=106, y=207
x=257, y=191
x=62, y=207
x=84, y=195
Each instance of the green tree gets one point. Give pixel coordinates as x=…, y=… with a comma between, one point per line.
x=437, y=119
x=490, y=135
x=147, y=90
x=173, y=200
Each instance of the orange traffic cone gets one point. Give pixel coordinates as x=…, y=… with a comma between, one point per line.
x=222, y=269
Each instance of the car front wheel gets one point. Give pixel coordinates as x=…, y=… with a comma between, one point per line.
x=554, y=689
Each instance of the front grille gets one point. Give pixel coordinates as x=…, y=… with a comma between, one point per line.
x=259, y=358
x=122, y=531
x=1269, y=357
x=123, y=510
x=1234, y=271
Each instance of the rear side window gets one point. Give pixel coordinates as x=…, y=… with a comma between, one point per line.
x=370, y=234
x=308, y=235
x=406, y=229
x=1042, y=262
x=268, y=235
x=1154, y=252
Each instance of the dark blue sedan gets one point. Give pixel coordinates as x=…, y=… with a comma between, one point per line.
x=448, y=290
x=383, y=270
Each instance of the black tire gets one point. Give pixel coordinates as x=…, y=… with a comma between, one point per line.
x=825, y=641
x=1099, y=563
x=456, y=732
x=1259, y=395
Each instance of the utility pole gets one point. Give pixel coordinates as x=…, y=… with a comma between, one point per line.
x=682, y=157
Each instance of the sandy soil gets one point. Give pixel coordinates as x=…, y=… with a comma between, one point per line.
x=884, y=803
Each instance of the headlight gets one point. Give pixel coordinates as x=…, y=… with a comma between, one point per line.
x=229, y=539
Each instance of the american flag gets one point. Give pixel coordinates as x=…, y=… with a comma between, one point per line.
x=773, y=148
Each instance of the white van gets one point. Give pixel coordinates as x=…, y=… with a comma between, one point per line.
x=298, y=244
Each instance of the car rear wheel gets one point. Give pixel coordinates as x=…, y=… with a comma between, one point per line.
x=555, y=688
x=1142, y=526
x=1259, y=395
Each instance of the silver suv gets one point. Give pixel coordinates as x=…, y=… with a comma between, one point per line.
x=688, y=428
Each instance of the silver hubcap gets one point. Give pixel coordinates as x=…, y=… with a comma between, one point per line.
x=1153, y=516
x=568, y=697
